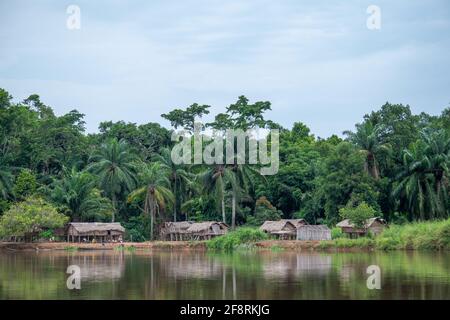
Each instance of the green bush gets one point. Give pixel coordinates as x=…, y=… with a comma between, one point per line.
x=238, y=238
x=431, y=235
x=47, y=234
x=337, y=233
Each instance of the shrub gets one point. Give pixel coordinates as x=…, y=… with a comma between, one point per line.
x=337, y=233
x=233, y=239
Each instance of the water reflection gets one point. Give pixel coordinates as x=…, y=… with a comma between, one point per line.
x=201, y=275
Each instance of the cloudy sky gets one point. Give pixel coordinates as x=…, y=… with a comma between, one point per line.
x=316, y=61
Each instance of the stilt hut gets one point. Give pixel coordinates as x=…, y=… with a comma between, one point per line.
x=373, y=225
x=313, y=232
x=206, y=230
x=99, y=232
x=174, y=231
x=281, y=229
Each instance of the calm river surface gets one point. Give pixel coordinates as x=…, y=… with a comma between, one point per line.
x=200, y=275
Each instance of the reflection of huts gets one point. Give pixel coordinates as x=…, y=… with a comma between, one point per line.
x=174, y=230
x=88, y=231
x=206, y=230
x=313, y=232
x=373, y=225
x=282, y=229
x=99, y=267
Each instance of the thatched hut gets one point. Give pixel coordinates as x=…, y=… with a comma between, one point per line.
x=206, y=230
x=88, y=231
x=373, y=225
x=282, y=229
x=296, y=222
x=174, y=231
x=313, y=232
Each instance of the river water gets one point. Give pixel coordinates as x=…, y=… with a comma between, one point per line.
x=205, y=275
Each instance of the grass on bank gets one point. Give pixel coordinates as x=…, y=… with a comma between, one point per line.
x=430, y=235
x=243, y=237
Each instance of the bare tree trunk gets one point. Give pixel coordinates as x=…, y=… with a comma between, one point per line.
x=233, y=212
x=175, y=201
x=223, y=211
x=113, y=198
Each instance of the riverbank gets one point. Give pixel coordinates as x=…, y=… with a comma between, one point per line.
x=291, y=245
x=47, y=246
x=433, y=236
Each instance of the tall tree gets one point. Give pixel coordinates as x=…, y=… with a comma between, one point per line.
x=214, y=180
x=115, y=167
x=5, y=182
x=76, y=192
x=179, y=178
x=154, y=192
x=414, y=188
x=367, y=138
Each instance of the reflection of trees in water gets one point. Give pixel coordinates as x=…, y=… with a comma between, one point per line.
x=194, y=265
x=200, y=275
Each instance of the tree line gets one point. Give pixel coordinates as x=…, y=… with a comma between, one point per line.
x=394, y=163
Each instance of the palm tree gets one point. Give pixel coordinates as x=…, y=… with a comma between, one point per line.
x=241, y=179
x=154, y=192
x=214, y=180
x=367, y=138
x=5, y=181
x=179, y=178
x=437, y=159
x=415, y=183
x=77, y=192
x=115, y=166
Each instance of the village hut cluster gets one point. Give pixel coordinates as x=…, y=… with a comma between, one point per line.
x=188, y=230
x=296, y=229
x=284, y=229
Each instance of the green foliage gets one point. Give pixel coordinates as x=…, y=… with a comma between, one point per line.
x=337, y=233
x=25, y=185
x=154, y=192
x=263, y=211
x=138, y=228
x=47, y=234
x=358, y=215
x=78, y=196
x=116, y=170
x=5, y=183
x=420, y=235
x=238, y=237
x=395, y=161
x=33, y=215
x=345, y=243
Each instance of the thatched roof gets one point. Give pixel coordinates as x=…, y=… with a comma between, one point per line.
x=277, y=226
x=89, y=227
x=205, y=226
x=176, y=227
x=296, y=222
x=369, y=222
